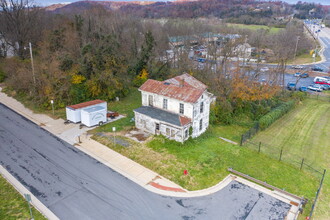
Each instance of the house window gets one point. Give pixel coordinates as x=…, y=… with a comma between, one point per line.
x=200, y=124
x=151, y=100
x=181, y=108
x=164, y=103
x=186, y=133
x=168, y=132
x=173, y=133
x=157, y=126
x=202, y=107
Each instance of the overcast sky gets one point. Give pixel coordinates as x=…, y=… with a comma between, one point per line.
x=49, y=2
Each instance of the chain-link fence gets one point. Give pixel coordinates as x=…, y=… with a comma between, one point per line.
x=283, y=154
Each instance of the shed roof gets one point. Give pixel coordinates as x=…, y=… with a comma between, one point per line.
x=189, y=91
x=86, y=104
x=161, y=115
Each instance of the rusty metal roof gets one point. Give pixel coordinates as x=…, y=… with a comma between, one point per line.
x=86, y=104
x=188, y=81
x=189, y=92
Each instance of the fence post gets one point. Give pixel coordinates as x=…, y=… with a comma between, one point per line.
x=259, y=147
x=281, y=154
x=302, y=163
x=241, y=140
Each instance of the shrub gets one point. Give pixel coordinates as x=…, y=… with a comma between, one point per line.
x=223, y=112
x=2, y=76
x=299, y=95
x=266, y=120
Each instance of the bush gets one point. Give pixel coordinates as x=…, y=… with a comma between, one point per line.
x=268, y=119
x=222, y=112
x=299, y=95
x=2, y=76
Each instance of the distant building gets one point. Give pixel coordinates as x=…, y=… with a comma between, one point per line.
x=176, y=108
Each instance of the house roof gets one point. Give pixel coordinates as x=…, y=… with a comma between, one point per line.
x=161, y=115
x=190, y=92
x=86, y=104
x=188, y=81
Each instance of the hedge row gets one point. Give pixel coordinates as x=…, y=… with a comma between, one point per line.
x=268, y=119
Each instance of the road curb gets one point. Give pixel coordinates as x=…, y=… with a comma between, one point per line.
x=22, y=190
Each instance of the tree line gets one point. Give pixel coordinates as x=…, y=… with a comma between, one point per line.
x=103, y=54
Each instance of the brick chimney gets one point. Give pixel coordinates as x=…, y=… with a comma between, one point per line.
x=181, y=82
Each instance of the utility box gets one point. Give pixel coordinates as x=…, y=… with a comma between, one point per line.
x=96, y=115
x=73, y=112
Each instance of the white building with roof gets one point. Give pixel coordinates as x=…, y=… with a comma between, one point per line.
x=176, y=108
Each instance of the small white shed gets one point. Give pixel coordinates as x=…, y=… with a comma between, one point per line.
x=96, y=115
x=73, y=112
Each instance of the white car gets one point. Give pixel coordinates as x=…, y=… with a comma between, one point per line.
x=315, y=87
x=298, y=67
x=264, y=69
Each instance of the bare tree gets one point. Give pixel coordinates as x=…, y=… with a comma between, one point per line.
x=20, y=23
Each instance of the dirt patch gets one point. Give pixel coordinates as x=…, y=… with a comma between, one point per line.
x=137, y=135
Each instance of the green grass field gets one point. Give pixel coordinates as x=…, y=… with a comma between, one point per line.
x=272, y=30
x=304, y=133
x=13, y=205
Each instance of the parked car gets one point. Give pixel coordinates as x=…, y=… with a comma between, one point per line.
x=296, y=74
x=315, y=87
x=291, y=86
x=318, y=69
x=202, y=60
x=304, y=75
x=326, y=87
x=298, y=67
x=264, y=69
x=303, y=88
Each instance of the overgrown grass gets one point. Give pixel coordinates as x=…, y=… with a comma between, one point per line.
x=304, y=58
x=13, y=205
x=304, y=133
x=271, y=30
x=29, y=103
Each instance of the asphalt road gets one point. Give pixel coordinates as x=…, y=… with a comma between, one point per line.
x=75, y=186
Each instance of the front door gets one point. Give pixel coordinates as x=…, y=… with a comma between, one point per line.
x=157, y=128
x=151, y=100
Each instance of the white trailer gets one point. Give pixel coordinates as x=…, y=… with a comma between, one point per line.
x=96, y=115
x=73, y=112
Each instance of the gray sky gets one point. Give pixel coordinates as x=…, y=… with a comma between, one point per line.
x=50, y=2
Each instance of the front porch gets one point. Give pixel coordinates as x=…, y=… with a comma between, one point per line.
x=157, y=121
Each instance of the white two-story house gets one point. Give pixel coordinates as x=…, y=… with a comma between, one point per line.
x=176, y=108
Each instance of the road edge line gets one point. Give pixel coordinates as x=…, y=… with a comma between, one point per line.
x=44, y=210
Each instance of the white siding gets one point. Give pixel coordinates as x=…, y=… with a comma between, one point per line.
x=191, y=110
x=173, y=105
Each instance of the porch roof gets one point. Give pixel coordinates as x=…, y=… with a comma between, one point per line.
x=161, y=115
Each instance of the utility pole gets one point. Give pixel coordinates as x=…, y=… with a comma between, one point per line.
x=34, y=77
x=295, y=51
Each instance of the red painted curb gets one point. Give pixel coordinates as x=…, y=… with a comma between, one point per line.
x=158, y=186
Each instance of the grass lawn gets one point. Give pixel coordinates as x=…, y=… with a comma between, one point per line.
x=125, y=106
x=13, y=205
x=304, y=133
x=272, y=30
x=304, y=58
